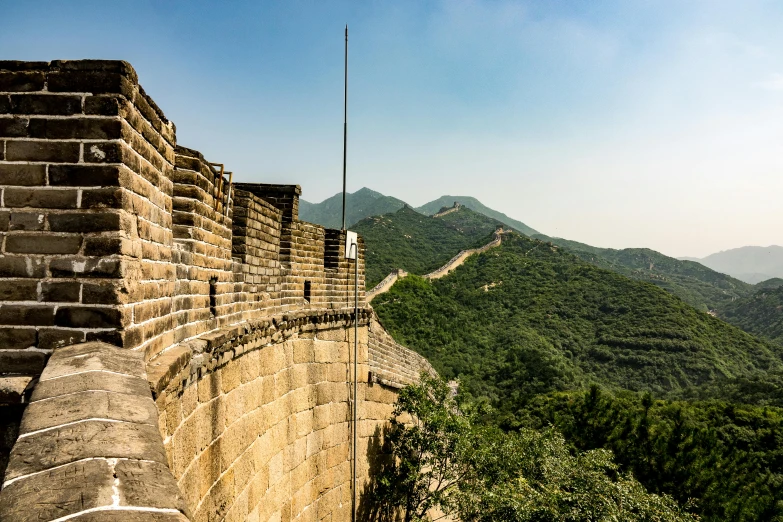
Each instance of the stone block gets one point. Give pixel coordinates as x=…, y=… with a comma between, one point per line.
x=58, y=493
x=94, y=356
x=33, y=221
x=43, y=244
x=43, y=151
x=19, y=290
x=81, y=382
x=86, y=405
x=17, y=338
x=46, y=104
x=83, y=175
x=59, y=446
x=148, y=484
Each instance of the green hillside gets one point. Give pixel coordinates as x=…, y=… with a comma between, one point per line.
x=760, y=314
x=697, y=285
x=775, y=282
x=417, y=243
x=529, y=318
x=360, y=204
x=472, y=203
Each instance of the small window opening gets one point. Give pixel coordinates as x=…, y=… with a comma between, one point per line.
x=213, y=296
x=307, y=291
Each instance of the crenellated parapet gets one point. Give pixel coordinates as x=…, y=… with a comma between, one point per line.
x=173, y=346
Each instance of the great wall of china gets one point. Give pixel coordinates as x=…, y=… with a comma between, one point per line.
x=173, y=346
x=452, y=264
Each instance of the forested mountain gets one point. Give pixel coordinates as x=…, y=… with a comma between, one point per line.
x=528, y=317
x=417, y=243
x=751, y=264
x=528, y=326
x=358, y=205
x=760, y=313
x=472, y=203
x=769, y=283
x=697, y=285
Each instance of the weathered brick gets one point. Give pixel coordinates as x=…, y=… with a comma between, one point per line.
x=98, y=82
x=17, y=338
x=26, y=315
x=14, y=127
x=84, y=222
x=21, y=266
x=60, y=291
x=58, y=105
x=87, y=317
x=5, y=104
x=108, y=268
x=102, y=198
x=110, y=336
x=24, y=362
x=50, y=338
x=21, y=81
x=22, y=175
x=40, y=198
x=105, y=105
x=19, y=290
x=26, y=221
x=51, y=151
x=42, y=244
x=107, y=246
x=102, y=293
x=103, y=152
x=84, y=175
x=5, y=220
x=81, y=128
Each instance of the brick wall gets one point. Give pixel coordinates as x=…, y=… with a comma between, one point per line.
x=112, y=231
x=241, y=313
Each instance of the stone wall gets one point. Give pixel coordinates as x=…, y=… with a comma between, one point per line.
x=125, y=254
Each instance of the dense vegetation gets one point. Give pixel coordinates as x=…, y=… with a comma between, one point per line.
x=472, y=203
x=362, y=203
x=729, y=457
x=697, y=285
x=525, y=326
x=528, y=318
x=446, y=462
x=760, y=313
x=417, y=243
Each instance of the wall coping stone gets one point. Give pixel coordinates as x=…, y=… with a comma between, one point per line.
x=89, y=445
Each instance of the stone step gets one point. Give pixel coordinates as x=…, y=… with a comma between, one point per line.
x=15, y=389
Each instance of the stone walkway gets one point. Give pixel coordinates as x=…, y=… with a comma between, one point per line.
x=453, y=263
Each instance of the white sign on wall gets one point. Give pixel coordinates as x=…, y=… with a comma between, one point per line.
x=351, y=245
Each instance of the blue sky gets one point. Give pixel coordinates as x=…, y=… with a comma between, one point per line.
x=621, y=124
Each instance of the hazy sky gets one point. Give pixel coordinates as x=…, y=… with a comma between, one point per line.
x=628, y=123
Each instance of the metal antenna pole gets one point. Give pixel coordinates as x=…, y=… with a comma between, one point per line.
x=355, y=373
x=345, y=120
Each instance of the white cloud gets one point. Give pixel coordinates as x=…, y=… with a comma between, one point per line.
x=774, y=83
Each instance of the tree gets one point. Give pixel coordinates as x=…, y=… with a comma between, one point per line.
x=445, y=461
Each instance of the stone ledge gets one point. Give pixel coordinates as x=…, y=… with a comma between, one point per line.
x=217, y=348
x=90, y=447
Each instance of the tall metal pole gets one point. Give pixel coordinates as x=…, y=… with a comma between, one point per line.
x=345, y=120
x=355, y=371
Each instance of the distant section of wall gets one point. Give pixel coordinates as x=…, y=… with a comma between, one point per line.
x=387, y=283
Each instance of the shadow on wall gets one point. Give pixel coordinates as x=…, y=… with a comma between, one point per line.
x=374, y=505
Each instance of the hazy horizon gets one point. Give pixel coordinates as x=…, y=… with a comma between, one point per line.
x=616, y=124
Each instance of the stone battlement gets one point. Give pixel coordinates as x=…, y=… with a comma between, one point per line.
x=113, y=232
x=185, y=343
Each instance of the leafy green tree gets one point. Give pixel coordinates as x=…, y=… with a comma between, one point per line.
x=445, y=462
